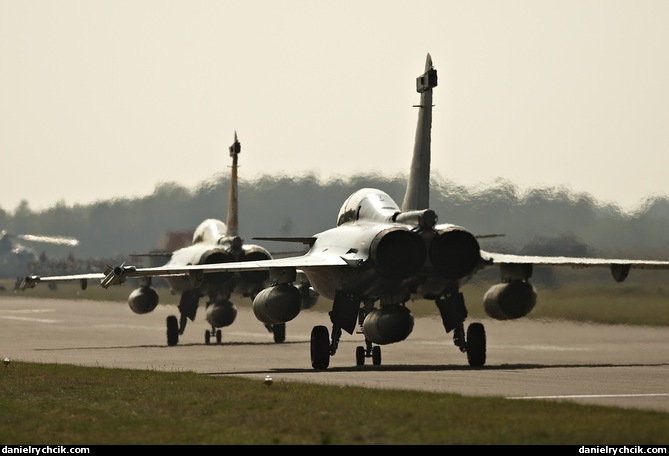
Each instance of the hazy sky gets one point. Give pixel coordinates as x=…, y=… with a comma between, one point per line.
x=107, y=98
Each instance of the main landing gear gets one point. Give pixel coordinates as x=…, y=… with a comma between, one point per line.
x=473, y=344
x=172, y=330
x=187, y=310
x=453, y=313
x=322, y=348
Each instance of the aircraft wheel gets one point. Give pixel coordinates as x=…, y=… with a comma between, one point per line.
x=172, y=330
x=376, y=355
x=219, y=336
x=476, y=345
x=279, y=331
x=207, y=336
x=320, y=347
x=359, y=355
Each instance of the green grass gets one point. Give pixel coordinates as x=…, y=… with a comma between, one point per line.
x=47, y=404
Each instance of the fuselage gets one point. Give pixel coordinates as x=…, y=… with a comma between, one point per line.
x=394, y=261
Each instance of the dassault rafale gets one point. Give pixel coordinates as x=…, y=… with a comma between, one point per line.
x=213, y=242
x=380, y=257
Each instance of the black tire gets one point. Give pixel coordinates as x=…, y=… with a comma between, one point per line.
x=279, y=331
x=219, y=336
x=172, y=330
x=376, y=355
x=359, y=355
x=207, y=336
x=320, y=347
x=476, y=345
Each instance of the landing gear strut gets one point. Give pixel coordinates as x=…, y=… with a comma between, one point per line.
x=453, y=314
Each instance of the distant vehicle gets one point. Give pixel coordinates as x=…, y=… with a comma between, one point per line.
x=16, y=259
x=213, y=242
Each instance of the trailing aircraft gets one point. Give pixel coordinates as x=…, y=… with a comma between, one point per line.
x=213, y=242
x=380, y=257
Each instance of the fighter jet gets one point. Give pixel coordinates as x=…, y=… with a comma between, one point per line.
x=381, y=257
x=213, y=242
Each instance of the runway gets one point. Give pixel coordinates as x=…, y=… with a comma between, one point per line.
x=616, y=366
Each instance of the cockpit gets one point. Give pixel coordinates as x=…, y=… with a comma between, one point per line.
x=209, y=231
x=369, y=204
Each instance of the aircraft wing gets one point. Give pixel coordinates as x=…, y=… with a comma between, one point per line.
x=492, y=258
x=31, y=280
x=119, y=274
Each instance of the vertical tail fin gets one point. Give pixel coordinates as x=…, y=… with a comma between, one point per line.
x=417, y=194
x=232, y=221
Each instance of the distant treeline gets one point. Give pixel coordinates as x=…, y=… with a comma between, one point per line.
x=542, y=221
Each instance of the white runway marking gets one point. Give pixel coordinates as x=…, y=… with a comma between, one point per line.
x=109, y=326
x=512, y=347
x=539, y=347
x=27, y=310
x=590, y=396
x=262, y=335
x=38, y=320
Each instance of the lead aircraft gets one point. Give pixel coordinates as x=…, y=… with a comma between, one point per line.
x=379, y=257
x=213, y=242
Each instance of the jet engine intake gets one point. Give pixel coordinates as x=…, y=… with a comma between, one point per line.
x=387, y=325
x=255, y=254
x=455, y=253
x=396, y=253
x=277, y=304
x=221, y=314
x=509, y=301
x=143, y=300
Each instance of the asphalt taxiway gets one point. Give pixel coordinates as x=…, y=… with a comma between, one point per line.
x=620, y=366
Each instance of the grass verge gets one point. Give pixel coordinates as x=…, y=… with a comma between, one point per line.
x=48, y=404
